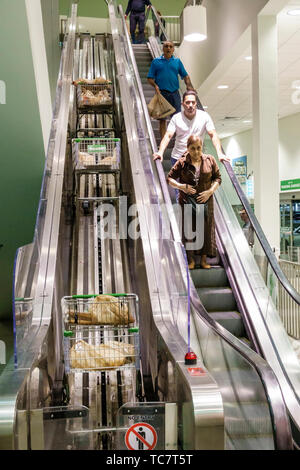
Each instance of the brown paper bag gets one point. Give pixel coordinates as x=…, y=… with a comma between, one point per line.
x=159, y=107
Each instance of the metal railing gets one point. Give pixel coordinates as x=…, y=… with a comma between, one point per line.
x=289, y=311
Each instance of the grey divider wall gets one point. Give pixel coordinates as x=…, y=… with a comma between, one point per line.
x=22, y=149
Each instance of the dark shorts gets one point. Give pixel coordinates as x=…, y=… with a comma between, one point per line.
x=173, y=98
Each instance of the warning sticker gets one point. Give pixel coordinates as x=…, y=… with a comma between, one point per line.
x=196, y=371
x=141, y=436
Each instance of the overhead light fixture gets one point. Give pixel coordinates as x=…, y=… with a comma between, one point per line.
x=223, y=87
x=247, y=122
x=194, y=23
x=295, y=12
x=249, y=57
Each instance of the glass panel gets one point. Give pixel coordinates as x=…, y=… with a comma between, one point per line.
x=157, y=30
x=66, y=428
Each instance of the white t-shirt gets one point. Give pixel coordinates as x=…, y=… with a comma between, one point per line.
x=184, y=128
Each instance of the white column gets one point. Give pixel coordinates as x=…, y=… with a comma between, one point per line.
x=38, y=48
x=265, y=126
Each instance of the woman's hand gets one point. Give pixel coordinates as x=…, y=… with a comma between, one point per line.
x=204, y=197
x=188, y=189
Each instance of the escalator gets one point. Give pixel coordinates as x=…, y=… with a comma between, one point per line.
x=222, y=292
x=231, y=399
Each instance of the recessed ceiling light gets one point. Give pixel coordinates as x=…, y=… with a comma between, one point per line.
x=249, y=57
x=247, y=122
x=223, y=87
x=295, y=12
x=205, y=107
x=195, y=37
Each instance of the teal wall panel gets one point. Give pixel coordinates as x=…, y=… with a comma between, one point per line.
x=98, y=8
x=22, y=150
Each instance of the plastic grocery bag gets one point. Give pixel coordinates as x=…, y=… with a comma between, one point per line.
x=159, y=107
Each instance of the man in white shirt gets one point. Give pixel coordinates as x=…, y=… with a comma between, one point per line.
x=189, y=122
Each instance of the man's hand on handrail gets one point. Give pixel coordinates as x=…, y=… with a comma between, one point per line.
x=157, y=156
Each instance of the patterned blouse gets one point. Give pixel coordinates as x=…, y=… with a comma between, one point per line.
x=185, y=172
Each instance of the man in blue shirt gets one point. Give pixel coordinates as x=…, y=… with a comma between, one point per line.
x=163, y=76
x=136, y=8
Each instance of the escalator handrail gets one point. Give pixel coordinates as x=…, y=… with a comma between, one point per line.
x=281, y=426
x=261, y=236
x=157, y=18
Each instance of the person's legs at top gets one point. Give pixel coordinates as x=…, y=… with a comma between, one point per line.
x=141, y=20
x=133, y=23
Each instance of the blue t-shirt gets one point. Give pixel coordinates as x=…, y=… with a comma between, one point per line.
x=165, y=72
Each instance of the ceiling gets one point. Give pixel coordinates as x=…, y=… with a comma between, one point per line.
x=230, y=107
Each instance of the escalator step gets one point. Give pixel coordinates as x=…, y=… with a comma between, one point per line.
x=215, y=277
x=231, y=321
x=217, y=299
x=166, y=165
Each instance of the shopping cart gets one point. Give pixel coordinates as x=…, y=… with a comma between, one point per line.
x=101, y=332
x=97, y=153
x=94, y=98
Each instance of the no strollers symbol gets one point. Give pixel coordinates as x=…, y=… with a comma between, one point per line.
x=141, y=436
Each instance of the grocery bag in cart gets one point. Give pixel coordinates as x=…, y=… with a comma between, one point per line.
x=101, y=332
x=92, y=96
x=97, y=153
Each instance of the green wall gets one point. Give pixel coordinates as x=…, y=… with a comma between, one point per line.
x=22, y=149
x=98, y=8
